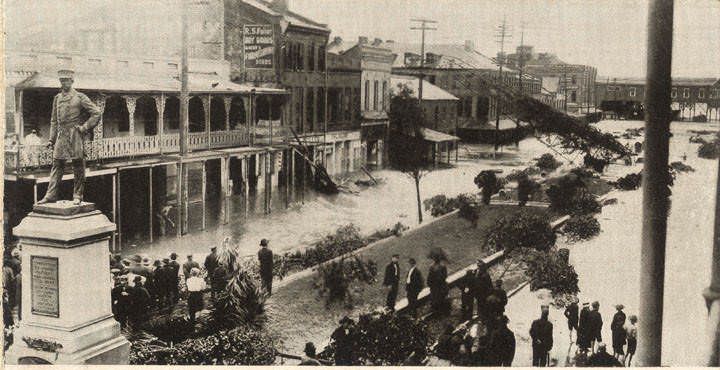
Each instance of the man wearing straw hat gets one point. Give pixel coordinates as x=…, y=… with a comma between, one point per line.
x=66, y=136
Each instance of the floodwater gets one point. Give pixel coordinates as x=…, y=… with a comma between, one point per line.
x=609, y=265
x=374, y=208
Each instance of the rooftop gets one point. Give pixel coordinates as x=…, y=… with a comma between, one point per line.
x=430, y=91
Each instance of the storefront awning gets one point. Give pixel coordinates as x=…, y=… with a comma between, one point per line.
x=209, y=84
x=436, y=136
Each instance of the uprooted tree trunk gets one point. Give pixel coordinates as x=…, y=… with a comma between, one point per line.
x=322, y=182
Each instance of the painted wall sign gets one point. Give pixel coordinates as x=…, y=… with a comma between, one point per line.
x=258, y=46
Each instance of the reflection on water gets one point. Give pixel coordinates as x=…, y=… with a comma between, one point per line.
x=373, y=208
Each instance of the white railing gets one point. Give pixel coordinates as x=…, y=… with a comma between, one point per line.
x=19, y=157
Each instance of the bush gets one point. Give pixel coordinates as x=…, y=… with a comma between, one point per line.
x=242, y=302
x=548, y=162
x=526, y=187
x=489, y=183
x=569, y=195
x=597, y=164
x=549, y=270
x=169, y=328
x=440, y=205
x=518, y=174
x=384, y=339
x=709, y=150
x=520, y=231
x=581, y=228
x=345, y=240
x=469, y=208
x=240, y=346
x=681, y=167
x=334, y=279
x=630, y=181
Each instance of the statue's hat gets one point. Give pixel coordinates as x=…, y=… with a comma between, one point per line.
x=66, y=73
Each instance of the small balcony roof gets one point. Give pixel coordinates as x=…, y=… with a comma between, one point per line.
x=206, y=84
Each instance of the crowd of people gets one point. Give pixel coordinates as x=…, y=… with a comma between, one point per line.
x=141, y=285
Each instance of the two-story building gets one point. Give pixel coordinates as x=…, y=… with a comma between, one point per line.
x=464, y=72
x=257, y=72
x=692, y=98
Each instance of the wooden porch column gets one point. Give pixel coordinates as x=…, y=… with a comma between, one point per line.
x=19, y=125
x=98, y=131
x=178, y=194
x=160, y=105
x=228, y=103
x=248, y=117
x=131, y=102
x=185, y=197
x=114, y=211
x=206, y=101
x=204, y=190
x=246, y=183
x=288, y=174
x=150, y=202
x=269, y=102
x=224, y=188
x=119, y=212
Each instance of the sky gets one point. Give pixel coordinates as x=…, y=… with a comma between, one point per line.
x=608, y=34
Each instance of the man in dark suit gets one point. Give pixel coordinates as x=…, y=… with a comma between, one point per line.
x=391, y=281
x=541, y=332
x=265, y=256
x=482, y=288
x=594, y=323
x=413, y=286
x=211, y=261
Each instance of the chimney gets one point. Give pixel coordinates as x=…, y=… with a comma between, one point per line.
x=376, y=42
x=362, y=40
x=281, y=6
x=469, y=45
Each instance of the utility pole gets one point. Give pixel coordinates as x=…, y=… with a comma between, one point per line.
x=502, y=33
x=655, y=180
x=564, y=67
x=521, y=59
x=422, y=28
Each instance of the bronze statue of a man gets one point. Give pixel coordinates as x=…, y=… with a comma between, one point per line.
x=66, y=136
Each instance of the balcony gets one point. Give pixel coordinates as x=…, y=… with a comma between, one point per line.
x=22, y=157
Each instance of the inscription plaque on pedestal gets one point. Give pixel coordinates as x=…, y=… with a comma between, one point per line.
x=44, y=286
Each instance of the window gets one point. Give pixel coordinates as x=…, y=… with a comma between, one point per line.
x=384, y=96
x=573, y=96
x=673, y=93
x=460, y=104
x=632, y=91
x=311, y=57
x=172, y=67
x=367, y=95
x=320, y=112
x=376, y=91
x=701, y=93
x=309, y=109
x=715, y=93
x=573, y=80
x=686, y=92
x=300, y=58
x=321, y=58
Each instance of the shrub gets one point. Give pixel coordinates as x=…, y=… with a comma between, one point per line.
x=681, y=167
x=581, y=228
x=489, y=183
x=520, y=231
x=517, y=174
x=242, y=302
x=549, y=270
x=334, y=279
x=630, y=181
x=709, y=150
x=384, y=339
x=597, y=164
x=345, y=240
x=240, y=346
x=569, y=195
x=469, y=208
x=440, y=205
x=526, y=187
x=169, y=328
x=548, y=162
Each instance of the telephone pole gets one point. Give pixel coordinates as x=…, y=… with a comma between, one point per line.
x=422, y=28
x=502, y=32
x=521, y=57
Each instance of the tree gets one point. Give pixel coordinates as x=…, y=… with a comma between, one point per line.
x=489, y=183
x=407, y=144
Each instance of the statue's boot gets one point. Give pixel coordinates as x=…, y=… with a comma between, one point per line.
x=76, y=201
x=46, y=200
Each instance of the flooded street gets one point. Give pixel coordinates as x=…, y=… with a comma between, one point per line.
x=609, y=265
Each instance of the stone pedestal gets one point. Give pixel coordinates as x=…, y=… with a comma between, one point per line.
x=66, y=308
